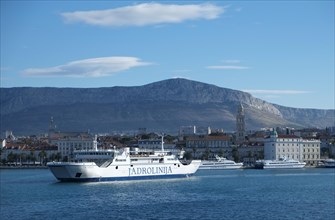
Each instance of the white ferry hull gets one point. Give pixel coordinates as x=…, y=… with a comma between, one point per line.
x=90, y=172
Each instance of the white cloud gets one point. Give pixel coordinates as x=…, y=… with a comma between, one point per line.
x=145, y=14
x=226, y=67
x=95, y=67
x=275, y=92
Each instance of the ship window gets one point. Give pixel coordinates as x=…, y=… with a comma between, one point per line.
x=131, y=165
x=78, y=175
x=116, y=167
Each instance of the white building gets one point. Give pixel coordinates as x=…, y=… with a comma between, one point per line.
x=291, y=147
x=68, y=142
x=154, y=144
x=311, y=151
x=209, y=145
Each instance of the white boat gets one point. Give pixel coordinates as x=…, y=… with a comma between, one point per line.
x=117, y=165
x=219, y=163
x=329, y=163
x=282, y=163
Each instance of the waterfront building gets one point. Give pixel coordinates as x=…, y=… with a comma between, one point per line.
x=21, y=154
x=68, y=142
x=154, y=144
x=194, y=130
x=292, y=147
x=240, y=125
x=251, y=152
x=209, y=146
x=311, y=151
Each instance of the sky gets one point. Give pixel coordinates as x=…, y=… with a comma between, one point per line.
x=278, y=51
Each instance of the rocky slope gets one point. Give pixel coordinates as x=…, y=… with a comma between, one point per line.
x=162, y=106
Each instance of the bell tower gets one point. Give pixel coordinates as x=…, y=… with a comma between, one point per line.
x=52, y=129
x=240, y=125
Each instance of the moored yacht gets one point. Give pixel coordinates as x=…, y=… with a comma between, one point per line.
x=282, y=163
x=327, y=163
x=219, y=163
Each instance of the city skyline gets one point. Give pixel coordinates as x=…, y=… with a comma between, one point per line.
x=281, y=52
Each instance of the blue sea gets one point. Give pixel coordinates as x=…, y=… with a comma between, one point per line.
x=233, y=194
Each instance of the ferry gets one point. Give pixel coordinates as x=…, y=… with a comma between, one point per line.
x=117, y=165
x=282, y=163
x=219, y=163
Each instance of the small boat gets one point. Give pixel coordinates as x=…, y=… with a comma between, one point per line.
x=329, y=163
x=282, y=163
x=219, y=163
x=114, y=165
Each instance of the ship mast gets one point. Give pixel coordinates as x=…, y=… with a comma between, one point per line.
x=162, y=143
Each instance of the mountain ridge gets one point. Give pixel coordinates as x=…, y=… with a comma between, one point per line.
x=162, y=105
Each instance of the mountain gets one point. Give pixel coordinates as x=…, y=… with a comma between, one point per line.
x=160, y=106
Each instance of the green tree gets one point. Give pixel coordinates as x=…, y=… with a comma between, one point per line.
x=221, y=153
x=235, y=154
x=22, y=157
x=65, y=159
x=206, y=154
x=188, y=155
x=11, y=157
x=42, y=156
x=194, y=150
x=32, y=156
x=58, y=156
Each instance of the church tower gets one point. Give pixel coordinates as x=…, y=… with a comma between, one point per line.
x=52, y=129
x=240, y=125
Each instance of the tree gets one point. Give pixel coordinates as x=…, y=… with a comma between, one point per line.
x=58, y=156
x=32, y=156
x=42, y=155
x=11, y=157
x=169, y=138
x=206, y=154
x=194, y=149
x=22, y=157
x=235, y=154
x=65, y=159
x=221, y=153
x=188, y=155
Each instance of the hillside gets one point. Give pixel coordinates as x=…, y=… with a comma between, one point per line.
x=161, y=106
